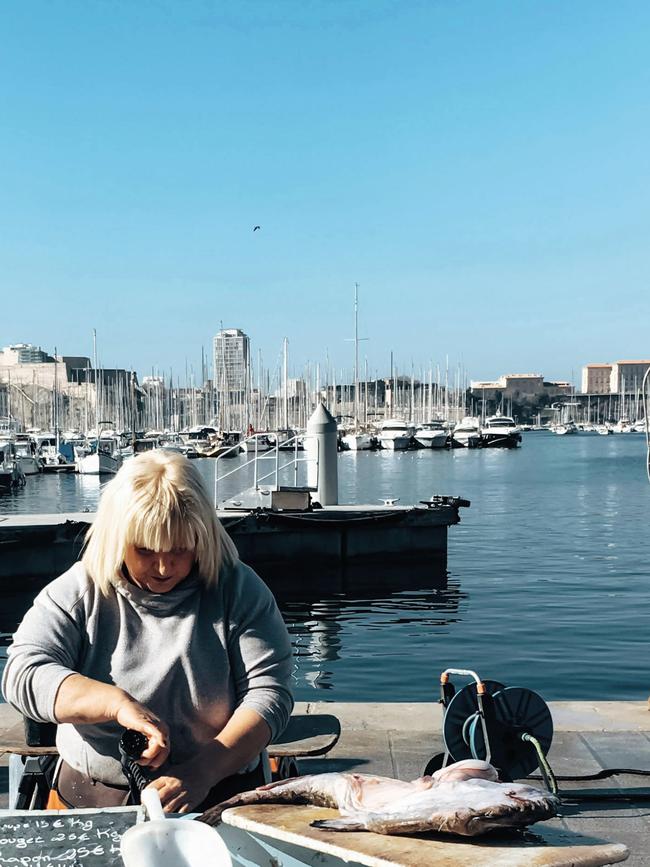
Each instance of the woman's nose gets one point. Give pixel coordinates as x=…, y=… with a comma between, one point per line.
x=164, y=565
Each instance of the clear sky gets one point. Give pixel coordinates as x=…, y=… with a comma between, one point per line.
x=479, y=167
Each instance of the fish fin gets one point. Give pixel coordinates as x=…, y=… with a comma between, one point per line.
x=338, y=825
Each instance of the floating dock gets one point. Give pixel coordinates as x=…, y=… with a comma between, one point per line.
x=334, y=541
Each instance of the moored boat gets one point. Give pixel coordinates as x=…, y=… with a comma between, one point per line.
x=431, y=435
x=11, y=474
x=395, y=434
x=500, y=431
x=467, y=433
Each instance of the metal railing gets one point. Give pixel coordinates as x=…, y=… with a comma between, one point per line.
x=266, y=455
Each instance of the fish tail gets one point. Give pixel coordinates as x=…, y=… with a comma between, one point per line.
x=212, y=816
x=338, y=825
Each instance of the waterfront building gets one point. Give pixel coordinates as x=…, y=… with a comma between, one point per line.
x=596, y=378
x=519, y=387
x=23, y=353
x=36, y=384
x=627, y=376
x=231, y=360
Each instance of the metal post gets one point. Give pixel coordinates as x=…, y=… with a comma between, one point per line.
x=322, y=469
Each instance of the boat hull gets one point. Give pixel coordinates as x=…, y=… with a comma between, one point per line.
x=30, y=466
x=500, y=440
x=394, y=444
x=99, y=464
x=436, y=440
x=357, y=442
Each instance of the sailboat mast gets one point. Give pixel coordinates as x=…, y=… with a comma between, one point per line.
x=356, y=354
x=56, y=403
x=285, y=384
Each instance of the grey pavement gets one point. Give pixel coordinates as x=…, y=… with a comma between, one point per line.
x=398, y=739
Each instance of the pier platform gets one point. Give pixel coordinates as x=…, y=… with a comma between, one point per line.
x=39, y=547
x=397, y=739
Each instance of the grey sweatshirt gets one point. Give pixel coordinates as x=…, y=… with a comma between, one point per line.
x=192, y=655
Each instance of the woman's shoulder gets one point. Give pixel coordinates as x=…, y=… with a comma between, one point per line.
x=238, y=577
x=70, y=590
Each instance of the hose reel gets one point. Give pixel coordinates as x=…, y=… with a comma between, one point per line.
x=509, y=726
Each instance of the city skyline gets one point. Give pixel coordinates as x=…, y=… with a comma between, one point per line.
x=480, y=170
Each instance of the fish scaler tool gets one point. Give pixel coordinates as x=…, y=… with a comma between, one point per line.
x=512, y=728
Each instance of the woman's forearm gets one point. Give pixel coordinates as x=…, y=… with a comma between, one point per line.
x=243, y=737
x=82, y=700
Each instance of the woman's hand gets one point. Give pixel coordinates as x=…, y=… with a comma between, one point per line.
x=184, y=788
x=130, y=714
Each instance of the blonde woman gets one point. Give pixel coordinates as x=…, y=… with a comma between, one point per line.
x=162, y=629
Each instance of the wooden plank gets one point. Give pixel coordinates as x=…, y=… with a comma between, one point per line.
x=548, y=845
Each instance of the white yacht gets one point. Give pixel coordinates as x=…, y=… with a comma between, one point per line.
x=105, y=458
x=431, y=435
x=256, y=443
x=500, y=431
x=357, y=441
x=564, y=428
x=395, y=434
x=467, y=433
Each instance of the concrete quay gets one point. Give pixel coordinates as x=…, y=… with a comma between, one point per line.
x=397, y=739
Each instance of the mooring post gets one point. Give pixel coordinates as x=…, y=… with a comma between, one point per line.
x=320, y=444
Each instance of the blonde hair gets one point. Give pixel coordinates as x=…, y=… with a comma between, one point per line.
x=157, y=501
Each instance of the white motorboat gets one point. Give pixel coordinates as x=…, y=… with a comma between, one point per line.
x=564, y=428
x=256, y=443
x=603, y=429
x=286, y=438
x=500, y=431
x=623, y=425
x=105, y=458
x=26, y=455
x=467, y=433
x=357, y=441
x=395, y=434
x=431, y=435
x=11, y=474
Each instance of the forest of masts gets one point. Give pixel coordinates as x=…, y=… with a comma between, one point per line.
x=266, y=402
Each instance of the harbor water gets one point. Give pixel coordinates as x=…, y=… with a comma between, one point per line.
x=547, y=583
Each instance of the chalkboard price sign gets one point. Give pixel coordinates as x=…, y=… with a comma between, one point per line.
x=71, y=838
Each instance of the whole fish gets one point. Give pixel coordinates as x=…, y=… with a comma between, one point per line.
x=464, y=798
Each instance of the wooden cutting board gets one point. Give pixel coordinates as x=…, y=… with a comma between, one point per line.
x=546, y=846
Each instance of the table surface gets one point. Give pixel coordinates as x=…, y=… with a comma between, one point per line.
x=543, y=846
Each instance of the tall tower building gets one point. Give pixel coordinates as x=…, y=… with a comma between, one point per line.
x=231, y=359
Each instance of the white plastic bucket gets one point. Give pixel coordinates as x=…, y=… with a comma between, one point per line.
x=171, y=842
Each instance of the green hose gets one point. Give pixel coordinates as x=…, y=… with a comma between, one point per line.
x=545, y=768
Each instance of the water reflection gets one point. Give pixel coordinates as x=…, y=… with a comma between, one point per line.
x=336, y=634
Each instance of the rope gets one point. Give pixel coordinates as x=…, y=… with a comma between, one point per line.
x=280, y=518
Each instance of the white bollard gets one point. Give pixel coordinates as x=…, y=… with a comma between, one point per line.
x=320, y=444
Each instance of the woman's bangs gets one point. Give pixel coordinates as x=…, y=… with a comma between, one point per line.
x=162, y=532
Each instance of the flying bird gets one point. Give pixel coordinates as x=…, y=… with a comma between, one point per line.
x=255, y=228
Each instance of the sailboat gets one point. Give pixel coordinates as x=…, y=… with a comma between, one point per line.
x=356, y=439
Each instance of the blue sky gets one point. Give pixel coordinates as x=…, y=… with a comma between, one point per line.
x=480, y=168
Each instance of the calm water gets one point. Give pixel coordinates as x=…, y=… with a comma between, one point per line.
x=548, y=584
